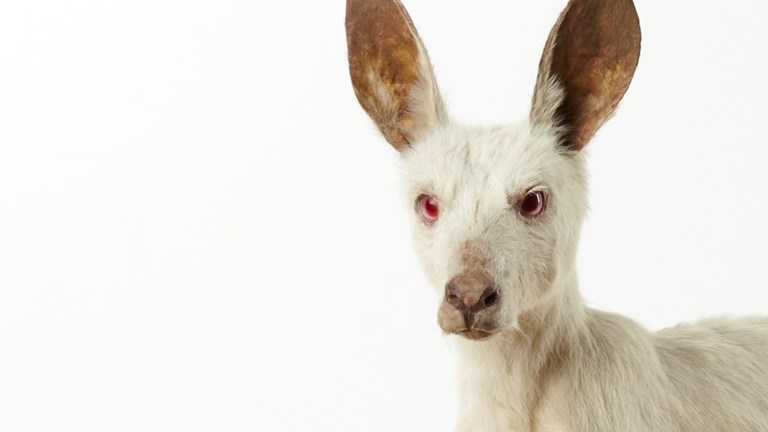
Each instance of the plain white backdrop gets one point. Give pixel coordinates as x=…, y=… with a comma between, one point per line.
x=200, y=229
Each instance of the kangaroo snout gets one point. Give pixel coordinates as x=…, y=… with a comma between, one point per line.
x=469, y=297
x=468, y=306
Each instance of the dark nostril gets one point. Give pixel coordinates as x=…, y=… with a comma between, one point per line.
x=452, y=299
x=490, y=296
x=452, y=294
x=490, y=300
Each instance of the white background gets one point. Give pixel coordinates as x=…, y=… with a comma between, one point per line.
x=200, y=229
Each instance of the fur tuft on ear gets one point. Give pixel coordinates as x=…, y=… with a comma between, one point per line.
x=390, y=70
x=588, y=63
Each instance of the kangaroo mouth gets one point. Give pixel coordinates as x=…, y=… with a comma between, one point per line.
x=476, y=334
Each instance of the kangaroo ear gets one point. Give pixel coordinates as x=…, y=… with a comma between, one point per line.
x=390, y=71
x=587, y=65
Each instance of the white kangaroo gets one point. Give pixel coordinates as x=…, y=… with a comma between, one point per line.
x=497, y=215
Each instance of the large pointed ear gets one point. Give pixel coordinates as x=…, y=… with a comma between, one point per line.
x=587, y=65
x=390, y=71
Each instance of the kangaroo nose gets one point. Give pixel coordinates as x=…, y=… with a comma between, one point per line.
x=470, y=294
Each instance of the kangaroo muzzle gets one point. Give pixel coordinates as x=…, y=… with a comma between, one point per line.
x=470, y=305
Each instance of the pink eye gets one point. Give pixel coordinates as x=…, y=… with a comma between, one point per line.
x=427, y=207
x=532, y=204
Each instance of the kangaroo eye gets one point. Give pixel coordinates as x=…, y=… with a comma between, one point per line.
x=427, y=208
x=532, y=205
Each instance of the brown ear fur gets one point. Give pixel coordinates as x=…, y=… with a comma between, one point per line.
x=390, y=70
x=591, y=55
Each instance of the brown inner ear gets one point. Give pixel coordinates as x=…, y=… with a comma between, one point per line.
x=384, y=65
x=595, y=53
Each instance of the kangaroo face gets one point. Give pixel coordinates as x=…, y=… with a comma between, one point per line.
x=507, y=217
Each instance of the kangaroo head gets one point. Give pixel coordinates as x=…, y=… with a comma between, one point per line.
x=496, y=211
